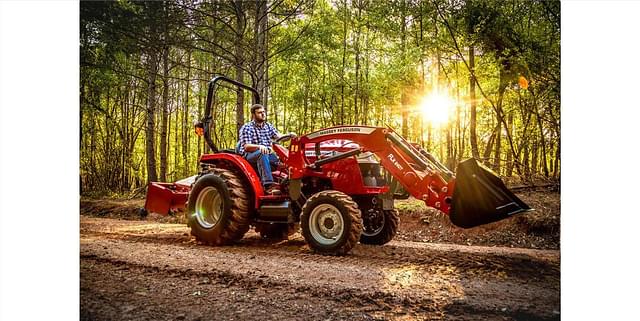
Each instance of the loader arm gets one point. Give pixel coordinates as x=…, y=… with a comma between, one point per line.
x=421, y=179
x=480, y=199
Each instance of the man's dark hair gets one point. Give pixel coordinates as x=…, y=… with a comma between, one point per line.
x=254, y=107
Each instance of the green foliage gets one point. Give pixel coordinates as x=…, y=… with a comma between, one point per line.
x=327, y=62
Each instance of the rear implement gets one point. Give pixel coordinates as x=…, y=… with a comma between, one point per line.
x=167, y=198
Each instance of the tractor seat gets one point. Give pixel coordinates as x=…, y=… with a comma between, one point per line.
x=235, y=151
x=230, y=151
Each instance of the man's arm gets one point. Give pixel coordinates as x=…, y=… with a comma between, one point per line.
x=245, y=141
x=277, y=135
x=293, y=135
x=248, y=147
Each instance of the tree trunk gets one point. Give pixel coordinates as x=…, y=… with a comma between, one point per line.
x=125, y=140
x=525, y=158
x=429, y=140
x=260, y=29
x=404, y=98
x=356, y=46
x=185, y=124
x=344, y=60
x=459, y=132
x=239, y=100
x=165, y=114
x=365, y=96
x=450, y=153
x=509, y=170
x=239, y=56
x=175, y=141
x=200, y=110
x=472, y=106
x=152, y=69
x=496, y=156
x=487, y=150
x=542, y=140
x=534, y=158
x=501, y=90
x=556, y=160
x=93, y=149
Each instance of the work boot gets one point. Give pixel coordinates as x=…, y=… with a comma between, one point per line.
x=273, y=190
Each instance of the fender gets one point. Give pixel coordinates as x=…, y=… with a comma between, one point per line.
x=246, y=170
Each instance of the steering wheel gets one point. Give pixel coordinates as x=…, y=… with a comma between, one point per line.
x=283, y=138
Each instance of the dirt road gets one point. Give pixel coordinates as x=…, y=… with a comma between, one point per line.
x=141, y=270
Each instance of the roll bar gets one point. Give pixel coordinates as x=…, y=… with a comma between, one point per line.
x=206, y=120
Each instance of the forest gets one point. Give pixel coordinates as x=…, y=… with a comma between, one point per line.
x=462, y=78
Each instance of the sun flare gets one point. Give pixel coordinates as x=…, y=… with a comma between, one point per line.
x=436, y=107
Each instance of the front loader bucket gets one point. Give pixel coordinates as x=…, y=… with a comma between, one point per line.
x=480, y=197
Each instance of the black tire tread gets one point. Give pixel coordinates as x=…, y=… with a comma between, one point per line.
x=238, y=222
x=389, y=230
x=354, y=212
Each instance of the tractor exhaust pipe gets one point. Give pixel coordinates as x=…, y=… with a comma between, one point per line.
x=480, y=197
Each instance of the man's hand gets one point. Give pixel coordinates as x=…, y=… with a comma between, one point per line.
x=264, y=149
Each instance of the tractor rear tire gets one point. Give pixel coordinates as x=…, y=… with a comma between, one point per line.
x=331, y=222
x=218, y=212
x=386, y=232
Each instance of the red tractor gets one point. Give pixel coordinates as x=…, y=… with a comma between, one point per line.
x=333, y=185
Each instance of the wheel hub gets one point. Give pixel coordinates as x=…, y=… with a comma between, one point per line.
x=209, y=207
x=326, y=224
x=373, y=223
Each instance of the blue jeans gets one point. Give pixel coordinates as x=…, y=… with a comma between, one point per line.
x=263, y=163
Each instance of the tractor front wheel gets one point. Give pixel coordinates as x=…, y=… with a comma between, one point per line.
x=218, y=208
x=331, y=222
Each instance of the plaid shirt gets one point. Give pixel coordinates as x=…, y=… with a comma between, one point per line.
x=251, y=133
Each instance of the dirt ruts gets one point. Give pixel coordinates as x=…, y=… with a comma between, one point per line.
x=141, y=270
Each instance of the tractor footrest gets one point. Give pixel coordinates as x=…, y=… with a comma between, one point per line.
x=275, y=211
x=273, y=198
x=288, y=220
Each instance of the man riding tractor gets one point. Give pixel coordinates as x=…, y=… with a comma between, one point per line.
x=255, y=145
